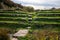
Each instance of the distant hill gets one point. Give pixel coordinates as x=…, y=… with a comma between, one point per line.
x=8, y=4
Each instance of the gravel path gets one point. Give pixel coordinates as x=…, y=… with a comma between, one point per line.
x=14, y=39
x=21, y=33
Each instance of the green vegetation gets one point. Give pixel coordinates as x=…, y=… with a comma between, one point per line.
x=42, y=24
x=45, y=24
x=41, y=34
x=4, y=34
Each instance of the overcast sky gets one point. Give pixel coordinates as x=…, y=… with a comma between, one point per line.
x=39, y=4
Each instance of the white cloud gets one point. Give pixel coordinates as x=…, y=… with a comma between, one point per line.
x=37, y=1
x=39, y=4
x=32, y=1
x=38, y=7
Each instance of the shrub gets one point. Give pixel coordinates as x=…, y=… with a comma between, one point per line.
x=4, y=34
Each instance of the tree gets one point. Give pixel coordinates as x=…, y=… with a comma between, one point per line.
x=53, y=8
x=29, y=9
